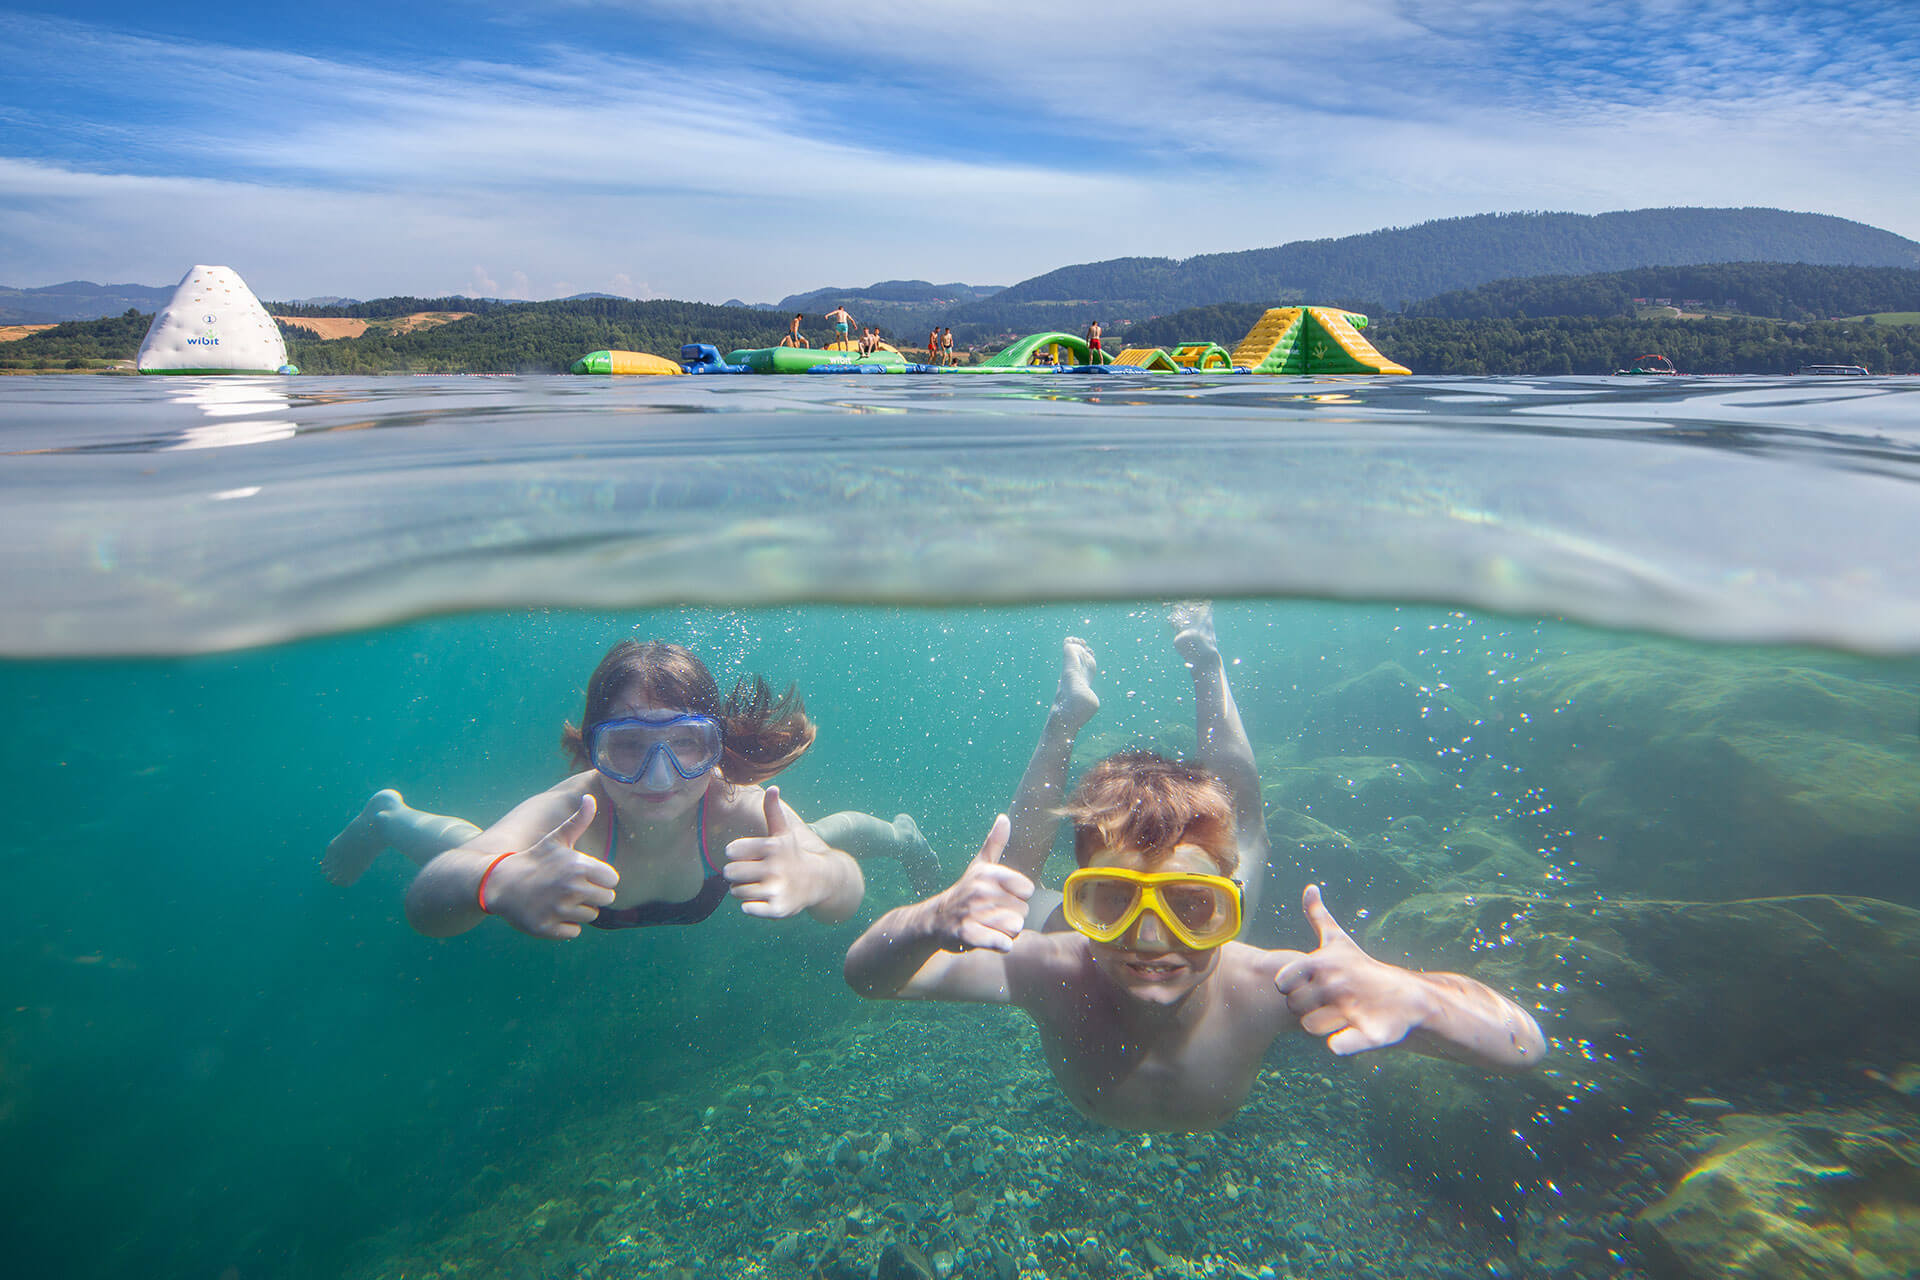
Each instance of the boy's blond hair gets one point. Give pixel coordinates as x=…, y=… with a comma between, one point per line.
x=1143, y=802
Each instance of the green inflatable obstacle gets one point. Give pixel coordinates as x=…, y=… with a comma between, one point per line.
x=1044, y=349
x=801, y=359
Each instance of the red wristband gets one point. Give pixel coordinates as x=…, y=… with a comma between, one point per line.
x=480, y=893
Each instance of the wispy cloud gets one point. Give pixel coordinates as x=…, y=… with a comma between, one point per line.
x=776, y=151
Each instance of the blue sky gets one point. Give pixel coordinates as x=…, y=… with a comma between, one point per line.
x=756, y=149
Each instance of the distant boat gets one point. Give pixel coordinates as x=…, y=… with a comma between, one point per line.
x=1834, y=370
x=1649, y=365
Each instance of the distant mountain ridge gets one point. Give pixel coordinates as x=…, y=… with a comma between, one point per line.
x=907, y=291
x=78, y=300
x=1389, y=269
x=899, y=305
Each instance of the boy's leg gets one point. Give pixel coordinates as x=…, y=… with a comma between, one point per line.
x=387, y=823
x=1043, y=785
x=865, y=836
x=1224, y=748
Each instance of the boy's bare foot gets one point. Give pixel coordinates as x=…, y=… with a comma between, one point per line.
x=918, y=859
x=352, y=851
x=1074, y=702
x=1193, y=639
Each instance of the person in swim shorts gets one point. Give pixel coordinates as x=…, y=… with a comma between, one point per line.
x=665, y=819
x=840, y=321
x=933, y=346
x=794, y=337
x=1093, y=343
x=1151, y=1015
x=946, y=346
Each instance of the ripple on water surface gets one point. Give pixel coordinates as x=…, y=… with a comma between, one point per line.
x=176, y=515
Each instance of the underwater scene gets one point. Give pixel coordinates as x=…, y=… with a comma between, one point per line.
x=1647, y=765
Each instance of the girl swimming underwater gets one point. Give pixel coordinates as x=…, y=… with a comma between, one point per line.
x=665, y=818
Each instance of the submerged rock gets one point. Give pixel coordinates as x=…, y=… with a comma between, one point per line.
x=1792, y=1196
x=1639, y=999
x=1696, y=775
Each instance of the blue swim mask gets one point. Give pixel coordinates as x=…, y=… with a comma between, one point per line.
x=624, y=749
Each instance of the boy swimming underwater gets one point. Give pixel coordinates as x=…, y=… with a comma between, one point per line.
x=1152, y=1017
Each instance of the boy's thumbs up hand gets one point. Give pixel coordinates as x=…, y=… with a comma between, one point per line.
x=987, y=906
x=1340, y=992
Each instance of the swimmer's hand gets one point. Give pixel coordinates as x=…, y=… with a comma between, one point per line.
x=1340, y=992
x=987, y=906
x=551, y=889
x=786, y=871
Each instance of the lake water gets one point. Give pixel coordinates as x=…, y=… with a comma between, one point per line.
x=1604, y=690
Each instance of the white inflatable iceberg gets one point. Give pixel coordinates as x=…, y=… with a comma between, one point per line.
x=213, y=324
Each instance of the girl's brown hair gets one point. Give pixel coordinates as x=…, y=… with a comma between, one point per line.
x=1145, y=803
x=759, y=734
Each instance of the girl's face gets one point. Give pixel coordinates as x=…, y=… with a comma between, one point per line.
x=659, y=793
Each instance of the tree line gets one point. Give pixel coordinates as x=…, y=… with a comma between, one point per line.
x=548, y=337
x=1781, y=290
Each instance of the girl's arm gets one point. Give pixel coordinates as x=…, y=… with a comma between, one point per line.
x=542, y=885
x=791, y=869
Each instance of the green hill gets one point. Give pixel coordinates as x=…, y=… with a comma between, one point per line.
x=1393, y=268
x=514, y=337
x=1781, y=290
x=533, y=337
x=898, y=306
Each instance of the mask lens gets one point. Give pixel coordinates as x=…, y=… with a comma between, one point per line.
x=1106, y=902
x=620, y=751
x=623, y=749
x=1200, y=909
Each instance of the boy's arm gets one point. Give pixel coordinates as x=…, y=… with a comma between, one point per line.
x=1359, y=1003
x=1224, y=747
x=953, y=946
x=1042, y=787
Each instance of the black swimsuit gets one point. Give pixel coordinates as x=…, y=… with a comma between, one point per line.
x=642, y=915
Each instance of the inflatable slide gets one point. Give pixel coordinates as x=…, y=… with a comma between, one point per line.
x=1311, y=340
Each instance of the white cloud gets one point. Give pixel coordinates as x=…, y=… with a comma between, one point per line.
x=1000, y=148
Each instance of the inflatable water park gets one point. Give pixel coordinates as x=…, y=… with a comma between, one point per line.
x=1285, y=340
x=213, y=324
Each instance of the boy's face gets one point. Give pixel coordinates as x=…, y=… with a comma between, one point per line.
x=1147, y=962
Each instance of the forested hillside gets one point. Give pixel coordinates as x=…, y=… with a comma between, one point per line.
x=515, y=337
x=1784, y=291
x=537, y=337
x=79, y=344
x=1580, y=344
x=1394, y=268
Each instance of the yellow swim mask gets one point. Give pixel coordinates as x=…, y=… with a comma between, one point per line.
x=1201, y=911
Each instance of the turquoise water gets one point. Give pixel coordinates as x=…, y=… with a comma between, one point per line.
x=235, y=609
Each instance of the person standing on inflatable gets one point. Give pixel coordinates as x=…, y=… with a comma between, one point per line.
x=840, y=321
x=1093, y=343
x=794, y=337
